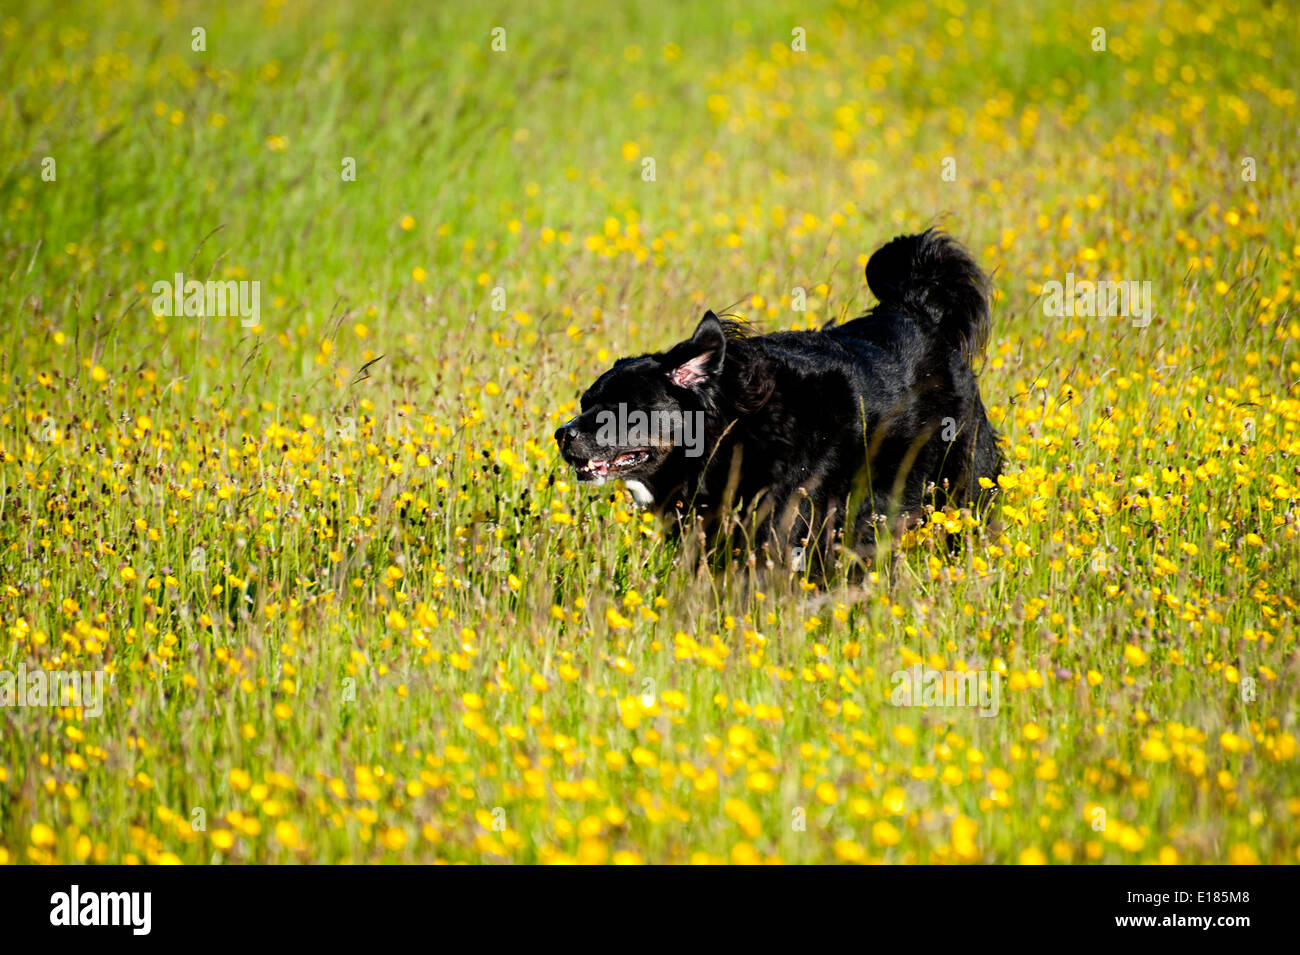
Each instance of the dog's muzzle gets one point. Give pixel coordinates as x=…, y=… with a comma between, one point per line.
x=564, y=435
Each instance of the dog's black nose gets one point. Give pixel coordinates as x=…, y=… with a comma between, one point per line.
x=563, y=435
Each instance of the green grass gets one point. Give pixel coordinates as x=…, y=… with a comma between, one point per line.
x=406, y=616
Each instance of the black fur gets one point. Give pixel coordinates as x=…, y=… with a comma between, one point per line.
x=821, y=434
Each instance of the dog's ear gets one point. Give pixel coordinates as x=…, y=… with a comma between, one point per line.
x=699, y=357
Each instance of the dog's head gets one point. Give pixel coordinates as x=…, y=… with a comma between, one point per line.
x=643, y=421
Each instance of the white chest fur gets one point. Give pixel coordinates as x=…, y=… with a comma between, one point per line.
x=640, y=493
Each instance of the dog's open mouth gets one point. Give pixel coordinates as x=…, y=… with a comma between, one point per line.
x=624, y=461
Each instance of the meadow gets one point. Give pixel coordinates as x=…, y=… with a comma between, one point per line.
x=351, y=606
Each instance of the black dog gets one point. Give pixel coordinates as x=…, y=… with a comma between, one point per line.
x=812, y=435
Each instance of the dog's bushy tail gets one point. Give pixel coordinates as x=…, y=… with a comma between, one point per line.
x=931, y=275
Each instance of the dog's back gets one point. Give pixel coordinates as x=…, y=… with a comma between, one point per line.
x=933, y=318
x=880, y=415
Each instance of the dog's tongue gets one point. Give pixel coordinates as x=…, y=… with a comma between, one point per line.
x=598, y=468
